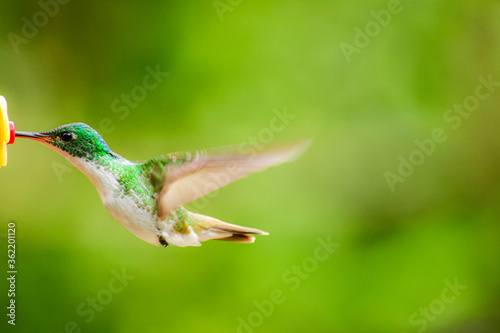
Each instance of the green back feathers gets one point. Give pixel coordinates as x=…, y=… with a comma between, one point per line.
x=155, y=167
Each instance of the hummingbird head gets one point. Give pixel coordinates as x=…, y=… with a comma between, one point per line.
x=78, y=140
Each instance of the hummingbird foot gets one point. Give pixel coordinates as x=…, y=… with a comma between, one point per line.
x=162, y=241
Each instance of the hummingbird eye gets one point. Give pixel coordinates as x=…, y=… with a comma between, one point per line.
x=67, y=136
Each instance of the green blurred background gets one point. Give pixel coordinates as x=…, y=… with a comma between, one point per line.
x=397, y=250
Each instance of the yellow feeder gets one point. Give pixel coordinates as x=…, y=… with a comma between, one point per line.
x=6, y=131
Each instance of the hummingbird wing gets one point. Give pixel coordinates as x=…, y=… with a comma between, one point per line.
x=189, y=176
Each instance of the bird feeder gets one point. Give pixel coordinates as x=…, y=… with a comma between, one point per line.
x=7, y=131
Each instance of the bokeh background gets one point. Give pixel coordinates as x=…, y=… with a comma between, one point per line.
x=230, y=64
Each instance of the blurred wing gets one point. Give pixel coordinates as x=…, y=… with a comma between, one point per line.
x=204, y=173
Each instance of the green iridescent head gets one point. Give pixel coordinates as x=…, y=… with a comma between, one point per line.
x=77, y=139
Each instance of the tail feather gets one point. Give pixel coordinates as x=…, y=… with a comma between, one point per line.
x=238, y=238
x=237, y=229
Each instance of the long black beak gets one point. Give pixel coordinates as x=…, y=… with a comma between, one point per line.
x=30, y=135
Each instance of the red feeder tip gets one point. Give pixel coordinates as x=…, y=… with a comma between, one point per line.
x=12, y=132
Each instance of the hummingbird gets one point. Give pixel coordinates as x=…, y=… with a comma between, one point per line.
x=147, y=197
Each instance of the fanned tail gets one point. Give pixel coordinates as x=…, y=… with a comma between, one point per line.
x=209, y=228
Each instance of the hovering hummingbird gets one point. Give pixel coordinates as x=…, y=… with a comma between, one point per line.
x=147, y=198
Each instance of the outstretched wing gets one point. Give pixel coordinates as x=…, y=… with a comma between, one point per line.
x=188, y=176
